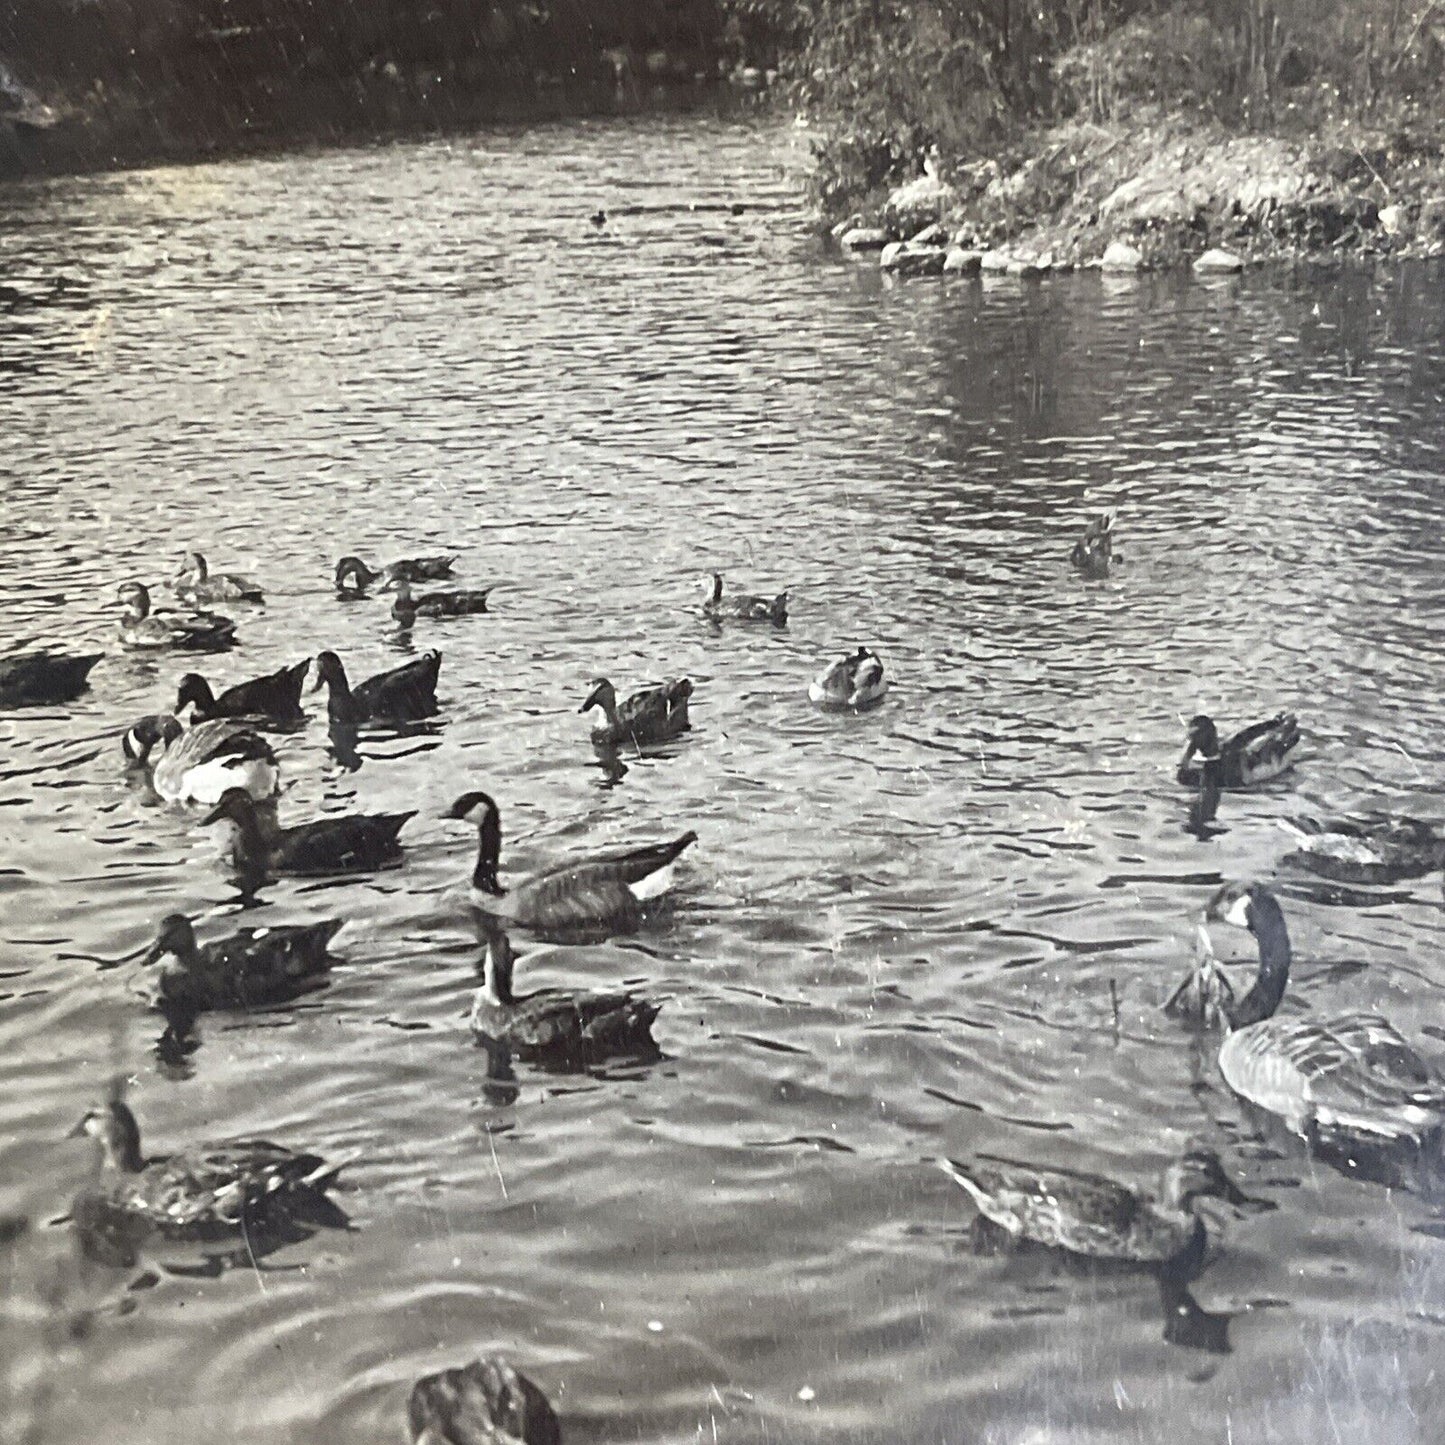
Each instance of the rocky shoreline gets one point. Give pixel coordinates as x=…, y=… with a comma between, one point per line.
x=1161, y=193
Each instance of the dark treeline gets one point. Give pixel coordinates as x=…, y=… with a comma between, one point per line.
x=136, y=78
x=889, y=79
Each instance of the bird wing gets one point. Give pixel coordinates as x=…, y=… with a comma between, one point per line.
x=1353, y=1071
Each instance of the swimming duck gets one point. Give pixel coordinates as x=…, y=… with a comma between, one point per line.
x=607, y=889
x=30, y=678
x=1089, y=1215
x=1373, y=849
x=456, y=603
x=651, y=715
x=198, y=765
x=485, y=1402
x=276, y=696
x=209, y=1188
x=404, y=694
x=744, y=606
x=1094, y=551
x=354, y=576
x=554, y=1027
x=854, y=681
x=141, y=628
x=195, y=583
x=1253, y=755
x=1342, y=1080
x=249, y=969
x=354, y=843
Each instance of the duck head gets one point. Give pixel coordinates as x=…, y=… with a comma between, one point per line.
x=353, y=569
x=114, y=1126
x=603, y=695
x=1198, y=1174
x=193, y=569
x=174, y=936
x=138, y=739
x=235, y=805
x=137, y=599
x=1203, y=739
x=480, y=809
x=329, y=671
x=193, y=690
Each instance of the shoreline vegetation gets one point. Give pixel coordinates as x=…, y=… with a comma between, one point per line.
x=1009, y=135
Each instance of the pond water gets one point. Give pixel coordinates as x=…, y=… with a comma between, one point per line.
x=943, y=926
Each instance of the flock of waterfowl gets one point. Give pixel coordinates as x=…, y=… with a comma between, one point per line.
x=1350, y=1084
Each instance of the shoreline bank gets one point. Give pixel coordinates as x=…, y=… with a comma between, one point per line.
x=1159, y=193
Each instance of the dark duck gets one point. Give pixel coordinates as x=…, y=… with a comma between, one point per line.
x=553, y=1027
x=743, y=606
x=251, y=968
x=353, y=576
x=30, y=679
x=405, y=694
x=653, y=714
x=486, y=1402
x=347, y=843
x=275, y=697
x=457, y=602
x=1093, y=553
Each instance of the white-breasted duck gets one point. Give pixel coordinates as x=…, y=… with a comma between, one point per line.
x=208, y=1188
x=456, y=602
x=349, y=843
x=405, y=694
x=604, y=890
x=855, y=681
x=353, y=576
x=198, y=765
x=1094, y=551
x=1370, y=848
x=1096, y=1217
x=653, y=714
x=1253, y=755
x=144, y=630
x=553, y=1027
x=743, y=606
x=195, y=582
x=251, y=968
x=276, y=696
x=484, y=1402
x=29, y=679
x=1343, y=1080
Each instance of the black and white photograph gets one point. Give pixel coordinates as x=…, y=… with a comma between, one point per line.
x=722, y=722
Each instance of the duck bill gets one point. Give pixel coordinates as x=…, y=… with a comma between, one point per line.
x=590, y=703
x=78, y=1132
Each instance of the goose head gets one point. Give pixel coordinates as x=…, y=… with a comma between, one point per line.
x=138, y=739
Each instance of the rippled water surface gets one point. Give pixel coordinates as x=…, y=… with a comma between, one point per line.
x=943, y=926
